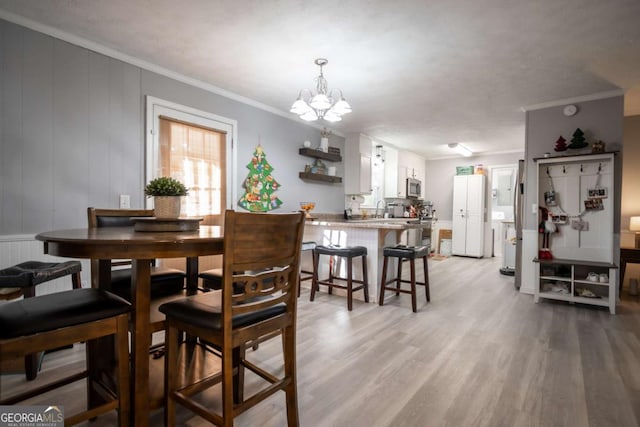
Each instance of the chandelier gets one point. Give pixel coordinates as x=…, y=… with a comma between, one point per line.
x=326, y=104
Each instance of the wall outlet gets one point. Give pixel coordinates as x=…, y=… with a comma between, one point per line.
x=125, y=201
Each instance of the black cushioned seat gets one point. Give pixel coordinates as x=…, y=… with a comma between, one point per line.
x=408, y=252
x=53, y=311
x=204, y=311
x=405, y=252
x=33, y=273
x=343, y=251
x=50, y=321
x=22, y=279
x=348, y=252
x=212, y=279
x=164, y=282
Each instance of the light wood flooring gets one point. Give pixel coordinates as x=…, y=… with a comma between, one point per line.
x=479, y=354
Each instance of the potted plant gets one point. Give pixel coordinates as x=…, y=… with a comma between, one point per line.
x=166, y=193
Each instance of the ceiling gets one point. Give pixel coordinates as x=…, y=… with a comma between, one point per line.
x=419, y=74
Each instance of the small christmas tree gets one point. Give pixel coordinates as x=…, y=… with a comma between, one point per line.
x=561, y=144
x=259, y=185
x=578, y=140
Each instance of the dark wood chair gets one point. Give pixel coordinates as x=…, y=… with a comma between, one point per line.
x=55, y=320
x=266, y=248
x=22, y=280
x=165, y=282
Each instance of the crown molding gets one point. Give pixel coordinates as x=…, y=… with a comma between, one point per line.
x=584, y=98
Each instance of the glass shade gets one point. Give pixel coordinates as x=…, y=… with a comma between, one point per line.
x=320, y=102
x=342, y=107
x=634, y=223
x=300, y=107
x=331, y=116
x=309, y=116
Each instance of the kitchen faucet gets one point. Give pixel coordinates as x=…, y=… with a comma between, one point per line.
x=377, y=206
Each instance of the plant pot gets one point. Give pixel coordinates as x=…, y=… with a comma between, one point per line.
x=166, y=207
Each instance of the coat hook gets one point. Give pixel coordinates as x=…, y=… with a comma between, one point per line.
x=581, y=168
x=563, y=169
x=599, y=167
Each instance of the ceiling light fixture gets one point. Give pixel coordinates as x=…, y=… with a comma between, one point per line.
x=322, y=105
x=461, y=149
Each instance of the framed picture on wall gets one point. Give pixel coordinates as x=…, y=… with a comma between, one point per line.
x=597, y=193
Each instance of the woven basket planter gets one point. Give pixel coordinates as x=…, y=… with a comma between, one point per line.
x=166, y=207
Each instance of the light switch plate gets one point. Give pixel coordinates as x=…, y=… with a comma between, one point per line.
x=534, y=208
x=125, y=201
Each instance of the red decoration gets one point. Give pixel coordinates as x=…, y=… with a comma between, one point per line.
x=561, y=144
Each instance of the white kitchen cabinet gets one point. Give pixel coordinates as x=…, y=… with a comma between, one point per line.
x=391, y=173
x=357, y=176
x=398, y=166
x=468, y=215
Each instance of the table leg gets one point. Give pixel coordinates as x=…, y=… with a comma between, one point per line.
x=140, y=341
x=623, y=266
x=99, y=367
x=192, y=275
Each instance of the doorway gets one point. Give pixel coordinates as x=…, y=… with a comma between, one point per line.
x=197, y=148
x=503, y=187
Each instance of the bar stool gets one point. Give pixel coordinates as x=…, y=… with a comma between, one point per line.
x=55, y=320
x=405, y=252
x=306, y=246
x=348, y=252
x=22, y=279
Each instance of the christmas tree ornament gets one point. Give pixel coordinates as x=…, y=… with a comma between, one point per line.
x=578, y=140
x=259, y=185
x=560, y=144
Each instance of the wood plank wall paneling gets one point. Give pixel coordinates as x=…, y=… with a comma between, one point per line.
x=70, y=134
x=99, y=131
x=37, y=125
x=11, y=159
x=70, y=118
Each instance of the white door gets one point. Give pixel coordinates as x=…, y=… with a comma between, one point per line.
x=459, y=220
x=475, y=215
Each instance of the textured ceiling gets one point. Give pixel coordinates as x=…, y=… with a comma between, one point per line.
x=418, y=74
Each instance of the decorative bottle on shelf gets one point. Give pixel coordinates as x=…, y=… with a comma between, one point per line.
x=324, y=145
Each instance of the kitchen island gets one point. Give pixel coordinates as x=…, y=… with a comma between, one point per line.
x=374, y=234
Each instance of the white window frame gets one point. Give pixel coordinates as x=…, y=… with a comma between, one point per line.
x=156, y=107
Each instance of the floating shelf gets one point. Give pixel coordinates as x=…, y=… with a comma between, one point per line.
x=310, y=152
x=319, y=177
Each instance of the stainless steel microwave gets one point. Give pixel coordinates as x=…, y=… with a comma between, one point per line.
x=414, y=187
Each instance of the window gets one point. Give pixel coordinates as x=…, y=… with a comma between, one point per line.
x=196, y=148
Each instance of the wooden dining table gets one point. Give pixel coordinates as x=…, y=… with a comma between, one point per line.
x=105, y=244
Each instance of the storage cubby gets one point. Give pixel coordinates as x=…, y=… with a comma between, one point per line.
x=569, y=280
